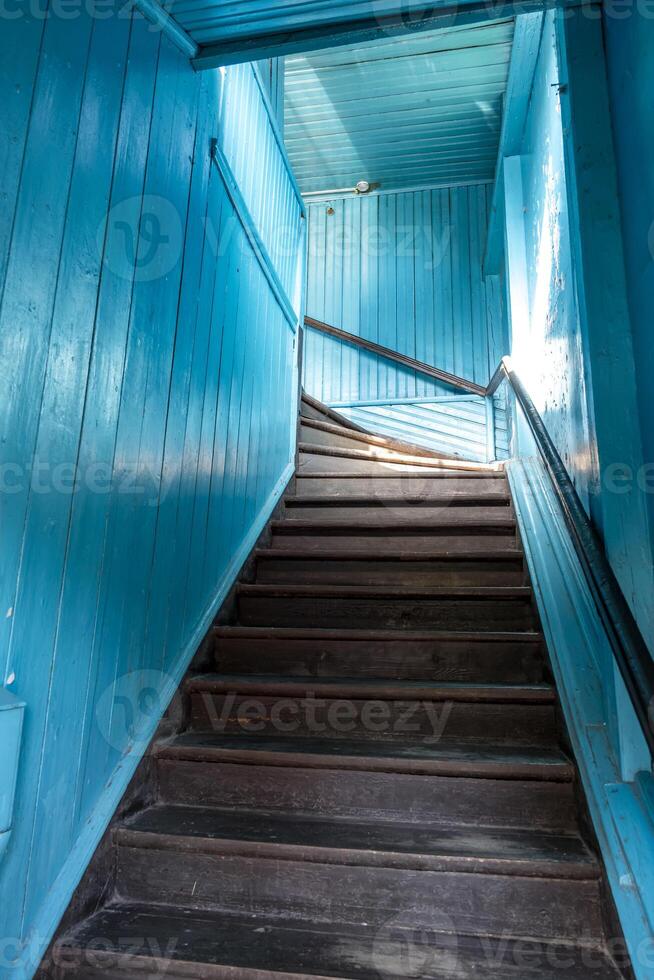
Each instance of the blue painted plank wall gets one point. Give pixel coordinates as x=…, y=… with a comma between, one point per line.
x=560, y=350
x=147, y=375
x=403, y=270
x=547, y=345
x=630, y=63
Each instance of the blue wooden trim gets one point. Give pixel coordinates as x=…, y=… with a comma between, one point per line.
x=325, y=197
x=524, y=57
x=313, y=37
x=515, y=249
x=249, y=226
x=404, y=401
x=95, y=827
x=491, y=448
x=279, y=139
x=155, y=13
x=621, y=809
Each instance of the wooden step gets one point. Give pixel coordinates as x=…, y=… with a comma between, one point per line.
x=343, y=708
x=291, y=865
x=471, y=520
x=372, y=689
x=481, y=657
x=129, y=940
x=480, y=760
x=481, y=532
x=421, y=507
x=364, y=794
x=338, y=607
x=288, y=566
x=380, y=484
x=343, y=841
x=314, y=458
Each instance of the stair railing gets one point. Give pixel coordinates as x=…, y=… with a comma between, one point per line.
x=627, y=642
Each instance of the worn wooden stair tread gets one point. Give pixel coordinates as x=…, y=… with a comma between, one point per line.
x=472, y=471
x=464, y=758
x=391, y=523
x=461, y=498
x=369, y=688
x=520, y=593
x=235, y=632
x=381, y=555
x=304, y=836
x=379, y=455
x=215, y=945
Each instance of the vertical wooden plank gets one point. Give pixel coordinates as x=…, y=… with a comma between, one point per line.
x=479, y=326
x=20, y=48
x=218, y=276
x=447, y=243
x=516, y=256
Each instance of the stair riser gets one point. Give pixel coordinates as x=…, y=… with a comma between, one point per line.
x=433, y=511
x=385, y=485
x=327, y=612
x=479, y=903
x=234, y=714
x=432, y=541
x=371, y=795
x=429, y=660
x=407, y=573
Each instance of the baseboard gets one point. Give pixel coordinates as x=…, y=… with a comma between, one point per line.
x=621, y=808
x=59, y=897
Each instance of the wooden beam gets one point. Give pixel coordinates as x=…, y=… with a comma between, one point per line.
x=391, y=355
x=431, y=16
x=522, y=68
x=153, y=11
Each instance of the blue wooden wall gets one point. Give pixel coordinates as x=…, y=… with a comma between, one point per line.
x=403, y=270
x=147, y=372
x=630, y=62
x=575, y=354
x=547, y=342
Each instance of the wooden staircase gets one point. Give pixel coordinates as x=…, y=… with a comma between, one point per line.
x=371, y=781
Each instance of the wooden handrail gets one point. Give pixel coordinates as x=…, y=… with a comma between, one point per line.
x=408, y=362
x=627, y=642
